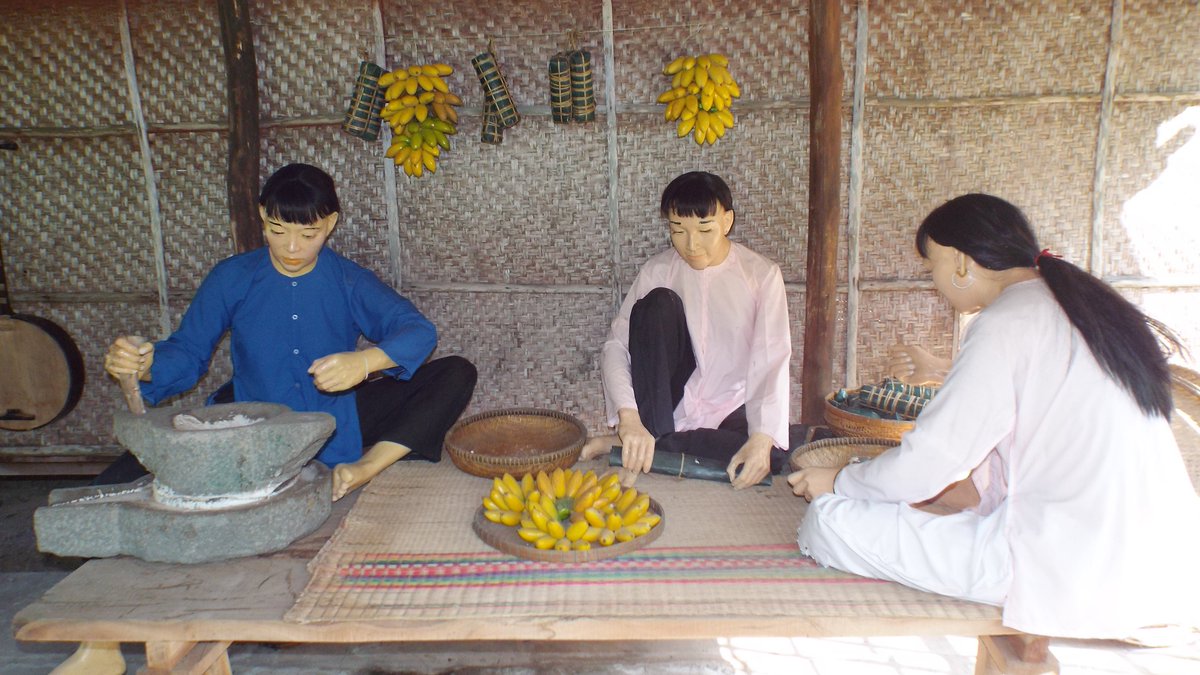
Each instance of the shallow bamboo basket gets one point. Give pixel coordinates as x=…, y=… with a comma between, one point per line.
x=834, y=453
x=515, y=441
x=846, y=423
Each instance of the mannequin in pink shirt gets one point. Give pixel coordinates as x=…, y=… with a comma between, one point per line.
x=697, y=359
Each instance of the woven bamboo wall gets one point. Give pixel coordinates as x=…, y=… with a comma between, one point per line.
x=519, y=252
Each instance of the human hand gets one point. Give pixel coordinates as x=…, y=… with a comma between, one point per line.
x=754, y=461
x=913, y=365
x=637, y=445
x=340, y=371
x=129, y=355
x=812, y=483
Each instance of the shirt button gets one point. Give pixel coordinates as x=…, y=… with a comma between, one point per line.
x=295, y=351
x=295, y=316
x=293, y=284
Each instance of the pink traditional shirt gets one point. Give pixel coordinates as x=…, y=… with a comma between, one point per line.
x=738, y=320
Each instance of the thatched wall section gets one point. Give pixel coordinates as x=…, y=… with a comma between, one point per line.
x=519, y=252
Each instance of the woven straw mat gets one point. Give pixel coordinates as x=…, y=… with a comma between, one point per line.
x=406, y=550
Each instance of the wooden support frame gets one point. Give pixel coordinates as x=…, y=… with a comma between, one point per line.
x=241, y=70
x=824, y=205
x=187, y=658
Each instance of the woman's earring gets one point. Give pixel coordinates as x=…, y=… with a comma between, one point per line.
x=954, y=281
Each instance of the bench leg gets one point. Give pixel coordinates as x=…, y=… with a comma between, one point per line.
x=1015, y=655
x=187, y=658
x=93, y=658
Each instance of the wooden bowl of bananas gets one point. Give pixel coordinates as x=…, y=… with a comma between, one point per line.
x=567, y=516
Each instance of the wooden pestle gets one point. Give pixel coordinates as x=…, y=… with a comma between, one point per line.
x=132, y=390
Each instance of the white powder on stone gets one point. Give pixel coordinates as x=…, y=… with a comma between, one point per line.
x=185, y=422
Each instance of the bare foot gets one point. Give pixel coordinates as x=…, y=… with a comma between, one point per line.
x=350, y=477
x=93, y=658
x=598, y=446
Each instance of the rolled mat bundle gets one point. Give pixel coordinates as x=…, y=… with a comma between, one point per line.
x=495, y=90
x=560, y=88
x=583, y=97
x=890, y=398
x=492, y=132
x=362, y=117
x=684, y=466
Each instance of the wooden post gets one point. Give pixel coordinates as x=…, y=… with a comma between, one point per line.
x=241, y=71
x=824, y=204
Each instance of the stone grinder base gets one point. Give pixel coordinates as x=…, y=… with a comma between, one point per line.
x=110, y=520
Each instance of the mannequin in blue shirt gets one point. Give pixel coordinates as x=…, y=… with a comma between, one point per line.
x=295, y=310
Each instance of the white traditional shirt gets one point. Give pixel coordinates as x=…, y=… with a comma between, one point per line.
x=1101, y=519
x=738, y=321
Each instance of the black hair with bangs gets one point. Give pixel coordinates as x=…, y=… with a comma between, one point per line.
x=1130, y=346
x=695, y=195
x=299, y=193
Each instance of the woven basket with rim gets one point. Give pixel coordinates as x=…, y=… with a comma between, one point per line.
x=834, y=453
x=515, y=441
x=847, y=423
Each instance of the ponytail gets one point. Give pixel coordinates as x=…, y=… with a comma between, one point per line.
x=1130, y=346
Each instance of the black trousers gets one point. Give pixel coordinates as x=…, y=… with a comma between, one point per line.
x=415, y=413
x=661, y=360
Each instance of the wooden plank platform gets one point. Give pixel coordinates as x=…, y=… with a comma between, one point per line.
x=188, y=614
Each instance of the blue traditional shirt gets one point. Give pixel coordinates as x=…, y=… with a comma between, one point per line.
x=279, y=325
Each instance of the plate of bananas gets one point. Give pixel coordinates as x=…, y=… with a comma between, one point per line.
x=567, y=516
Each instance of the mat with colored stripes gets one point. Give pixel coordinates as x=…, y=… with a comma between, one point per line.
x=407, y=551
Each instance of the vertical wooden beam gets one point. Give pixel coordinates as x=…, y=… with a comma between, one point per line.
x=824, y=204
x=241, y=77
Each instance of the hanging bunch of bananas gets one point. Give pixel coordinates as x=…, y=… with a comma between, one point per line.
x=420, y=109
x=568, y=510
x=700, y=95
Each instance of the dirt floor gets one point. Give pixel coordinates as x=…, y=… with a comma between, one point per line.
x=25, y=574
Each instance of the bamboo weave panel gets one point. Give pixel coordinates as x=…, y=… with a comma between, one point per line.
x=918, y=158
x=180, y=61
x=531, y=211
x=1157, y=43
x=64, y=65
x=922, y=49
x=75, y=216
x=308, y=55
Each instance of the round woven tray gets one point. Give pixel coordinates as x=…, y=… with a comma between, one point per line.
x=506, y=540
x=515, y=441
x=834, y=453
x=847, y=423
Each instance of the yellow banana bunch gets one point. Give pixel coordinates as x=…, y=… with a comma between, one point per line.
x=568, y=510
x=416, y=146
x=702, y=90
x=420, y=108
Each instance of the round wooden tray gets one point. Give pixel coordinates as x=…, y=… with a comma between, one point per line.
x=516, y=441
x=504, y=538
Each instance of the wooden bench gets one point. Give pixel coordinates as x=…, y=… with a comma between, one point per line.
x=188, y=615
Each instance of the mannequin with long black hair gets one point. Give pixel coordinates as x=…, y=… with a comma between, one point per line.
x=1079, y=518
